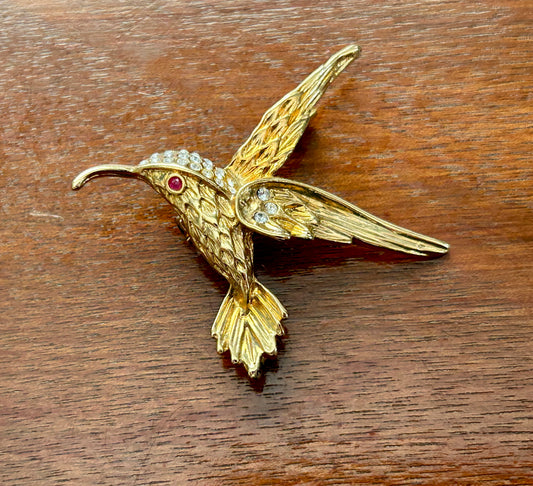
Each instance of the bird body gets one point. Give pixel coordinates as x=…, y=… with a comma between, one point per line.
x=220, y=208
x=205, y=213
x=204, y=199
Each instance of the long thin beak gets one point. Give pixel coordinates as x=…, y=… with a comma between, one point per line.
x=112, y=170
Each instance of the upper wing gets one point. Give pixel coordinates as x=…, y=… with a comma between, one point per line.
x=282, y=208
x=282, y=125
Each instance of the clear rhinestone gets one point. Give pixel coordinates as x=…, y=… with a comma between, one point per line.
x=154, y=159
x=263, y=193
x=144, y=162
x=208, y=173
x=271, y=208
x=208, y=164
x=183, y=157
x=220, y=182
x=195, y=165
x=260, y=217
x=231, y=183
x=232, y=189
x=219, y=173
x=195, y=157
x=168, y=157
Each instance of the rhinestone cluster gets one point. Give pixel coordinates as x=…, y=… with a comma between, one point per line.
x=195, y=162
x=268, y=208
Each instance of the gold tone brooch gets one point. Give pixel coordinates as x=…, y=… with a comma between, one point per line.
x=220, y=208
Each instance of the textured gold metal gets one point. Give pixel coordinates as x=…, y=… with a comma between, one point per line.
x=219, y=209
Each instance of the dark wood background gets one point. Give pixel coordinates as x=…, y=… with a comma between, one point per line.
x=395, y=370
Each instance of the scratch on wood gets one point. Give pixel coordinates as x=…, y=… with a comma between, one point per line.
x=38, y=214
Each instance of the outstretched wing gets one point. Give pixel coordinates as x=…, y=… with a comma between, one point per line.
x=282, y=125
x=281, y=208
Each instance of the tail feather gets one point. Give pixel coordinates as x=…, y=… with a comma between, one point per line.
x=249, y=330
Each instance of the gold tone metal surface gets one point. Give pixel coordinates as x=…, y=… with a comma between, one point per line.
x=219, y=209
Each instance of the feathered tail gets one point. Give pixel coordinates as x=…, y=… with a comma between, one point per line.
x=250, y=331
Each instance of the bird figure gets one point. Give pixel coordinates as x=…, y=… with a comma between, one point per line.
x=219, y=209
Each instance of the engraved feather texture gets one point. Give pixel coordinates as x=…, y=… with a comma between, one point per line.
x=206, y=215
x=304, y=211
x=280, y=128
x=219, y=209
x=250, y=316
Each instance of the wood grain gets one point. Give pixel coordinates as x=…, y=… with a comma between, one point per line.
x=394, y=370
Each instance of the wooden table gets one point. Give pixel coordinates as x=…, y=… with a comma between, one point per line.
x=394, y=370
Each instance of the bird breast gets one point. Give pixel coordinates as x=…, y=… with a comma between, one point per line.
x=206, y=214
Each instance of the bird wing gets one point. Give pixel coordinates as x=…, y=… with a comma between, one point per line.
x=278, y=132
x=281, y=208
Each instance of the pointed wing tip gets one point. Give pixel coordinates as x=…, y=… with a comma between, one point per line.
x=435, y=247
x=440, y=246
x=445, y=247
x=353, y=51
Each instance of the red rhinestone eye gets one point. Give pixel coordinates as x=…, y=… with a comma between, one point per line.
x=175, y=184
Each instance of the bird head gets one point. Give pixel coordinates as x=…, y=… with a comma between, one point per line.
x=176, y=175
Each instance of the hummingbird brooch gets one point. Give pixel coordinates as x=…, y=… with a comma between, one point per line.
x=220, y=208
